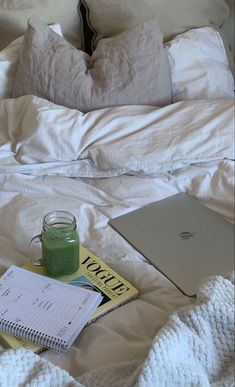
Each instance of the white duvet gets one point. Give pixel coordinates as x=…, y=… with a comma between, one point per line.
x=100, y=165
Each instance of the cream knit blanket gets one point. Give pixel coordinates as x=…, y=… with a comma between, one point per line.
x=195, y=348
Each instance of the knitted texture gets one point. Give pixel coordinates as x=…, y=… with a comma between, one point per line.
x=194, y=348
x=24, y=368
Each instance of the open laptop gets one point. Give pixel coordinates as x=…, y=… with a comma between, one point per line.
x=182, y=238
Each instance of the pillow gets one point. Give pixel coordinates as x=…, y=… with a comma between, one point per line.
x=228, y=27
x=131, y=68
x=9, y=61
x=199, y=66
x=108, y=18
x=15, y=13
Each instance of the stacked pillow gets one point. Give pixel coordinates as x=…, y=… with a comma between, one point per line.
x=128, y=63
x=107, y=18
x=199, y=66
x=9, y=58
x=131, y=68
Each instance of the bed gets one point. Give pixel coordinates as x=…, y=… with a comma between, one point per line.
x=138, y=106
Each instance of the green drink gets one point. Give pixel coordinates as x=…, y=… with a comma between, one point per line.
x=60, y=244
x=60, y=252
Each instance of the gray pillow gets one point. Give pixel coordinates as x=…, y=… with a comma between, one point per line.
x=129, y=69
x=107, y=18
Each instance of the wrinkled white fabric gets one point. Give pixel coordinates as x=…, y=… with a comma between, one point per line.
x=110, y=142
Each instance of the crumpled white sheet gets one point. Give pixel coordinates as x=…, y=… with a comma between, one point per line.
x=194, y=348
x=113, y=141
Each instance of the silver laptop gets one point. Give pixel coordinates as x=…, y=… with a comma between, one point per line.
x=182, y=238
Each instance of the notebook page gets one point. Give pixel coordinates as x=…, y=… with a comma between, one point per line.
x=45, y=305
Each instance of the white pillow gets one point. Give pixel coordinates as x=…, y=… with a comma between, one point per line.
x=199, y=66
x=9, y=63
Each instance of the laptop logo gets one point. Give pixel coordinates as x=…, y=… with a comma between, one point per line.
x=186, y=235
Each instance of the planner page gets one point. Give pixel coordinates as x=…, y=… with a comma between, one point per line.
x=44, y=305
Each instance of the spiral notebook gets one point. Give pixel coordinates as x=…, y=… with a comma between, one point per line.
x=44, y=310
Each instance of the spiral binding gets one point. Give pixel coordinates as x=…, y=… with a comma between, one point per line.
x=29, y=334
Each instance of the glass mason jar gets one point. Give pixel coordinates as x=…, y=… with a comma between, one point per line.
x=60, y=244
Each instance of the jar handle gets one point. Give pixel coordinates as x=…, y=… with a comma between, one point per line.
x=34, y=241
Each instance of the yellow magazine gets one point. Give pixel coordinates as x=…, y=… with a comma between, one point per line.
x=9, y=341
x=93, y=273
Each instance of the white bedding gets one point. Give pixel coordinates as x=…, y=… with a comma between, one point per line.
x=99, y=165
